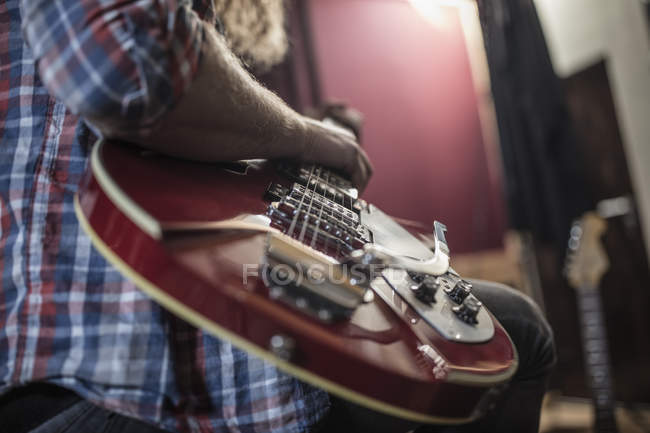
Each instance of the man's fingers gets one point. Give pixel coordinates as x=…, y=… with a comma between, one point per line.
x=361, y=170
x=366, y=169
x=360, y=179
x=366, y=160
x=337, y=148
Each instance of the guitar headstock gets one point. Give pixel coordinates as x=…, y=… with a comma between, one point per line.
x=586, y=260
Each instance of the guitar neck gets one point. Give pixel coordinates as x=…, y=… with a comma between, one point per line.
x=595, y=350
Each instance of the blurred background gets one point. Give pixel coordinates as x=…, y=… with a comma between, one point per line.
x=508, y=120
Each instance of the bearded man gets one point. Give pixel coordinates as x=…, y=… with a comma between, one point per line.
x=81, y=348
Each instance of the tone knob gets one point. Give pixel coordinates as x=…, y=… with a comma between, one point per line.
x=426, y=289
x=459, y=291
x=468, y=310
x=416, y=276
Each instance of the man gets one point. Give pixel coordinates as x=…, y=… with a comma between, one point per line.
x=78, y=342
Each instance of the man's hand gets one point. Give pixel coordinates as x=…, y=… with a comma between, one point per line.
x=341, y=113
x=337, y=148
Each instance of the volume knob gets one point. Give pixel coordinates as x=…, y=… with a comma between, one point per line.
x=426, y=289
x=459, y=291
x=468, y=310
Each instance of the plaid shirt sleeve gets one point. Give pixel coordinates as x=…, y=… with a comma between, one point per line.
x=120, y=64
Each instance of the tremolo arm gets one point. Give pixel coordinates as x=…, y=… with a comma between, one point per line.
x=376, y=255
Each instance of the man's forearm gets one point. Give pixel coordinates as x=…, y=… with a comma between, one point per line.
x=224, y=114
x=227, y=115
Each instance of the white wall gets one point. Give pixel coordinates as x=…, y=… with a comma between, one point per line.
x=579, y=33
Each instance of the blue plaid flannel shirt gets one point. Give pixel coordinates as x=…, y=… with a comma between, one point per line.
x=66, y=316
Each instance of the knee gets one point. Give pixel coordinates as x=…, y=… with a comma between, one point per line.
x=525, y=323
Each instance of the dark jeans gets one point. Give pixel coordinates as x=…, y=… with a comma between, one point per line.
x=53, y=410
x=44, y=408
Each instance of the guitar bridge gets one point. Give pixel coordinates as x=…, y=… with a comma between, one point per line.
x=310, y=281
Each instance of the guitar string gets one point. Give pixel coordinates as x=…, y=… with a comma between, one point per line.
x=340, y=217
x=340, y=220
x=339, y=214
x=320, y=215
x=335, y=213
x=327, y=183
x=292, y=227
x=305, y=223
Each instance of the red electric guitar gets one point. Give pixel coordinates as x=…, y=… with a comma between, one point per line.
x=286, y=262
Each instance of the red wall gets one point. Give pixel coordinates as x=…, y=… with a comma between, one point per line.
x=413, y=83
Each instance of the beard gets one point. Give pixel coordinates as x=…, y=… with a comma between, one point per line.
x=255, y=30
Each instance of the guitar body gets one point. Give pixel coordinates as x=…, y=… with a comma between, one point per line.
x=206, y=241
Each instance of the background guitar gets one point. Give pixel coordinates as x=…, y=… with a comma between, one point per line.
x=586, y=264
